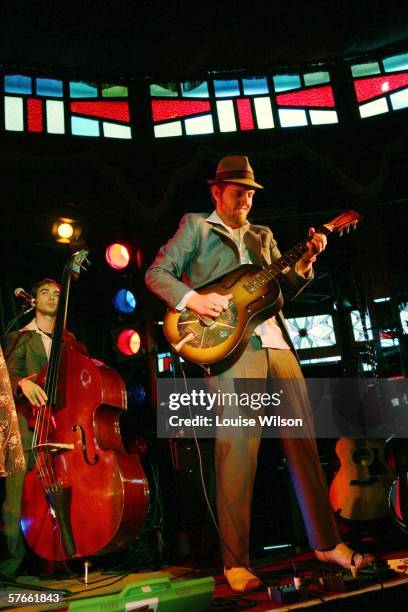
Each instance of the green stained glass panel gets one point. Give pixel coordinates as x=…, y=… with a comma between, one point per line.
x=360, y=70
x=164, y=90
x=316, y=78
x=114, y=91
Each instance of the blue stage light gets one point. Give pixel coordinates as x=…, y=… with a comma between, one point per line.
x=124, y=301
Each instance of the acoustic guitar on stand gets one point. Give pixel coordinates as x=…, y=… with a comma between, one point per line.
x=359, y=491
x=217, y=343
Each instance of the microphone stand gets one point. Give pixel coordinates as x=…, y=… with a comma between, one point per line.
x=14, y=320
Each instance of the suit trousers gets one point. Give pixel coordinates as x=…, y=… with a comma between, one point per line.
x=236, y=456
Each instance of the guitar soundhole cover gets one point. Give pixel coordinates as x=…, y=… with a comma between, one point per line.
x=207, y=336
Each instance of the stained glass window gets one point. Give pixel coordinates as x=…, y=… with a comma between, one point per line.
x=181, y=109
x=312, y=332
x=381, y=86
x=387, y=336
x=357, y=324
x=242, y=104
x=164, y=362
x=305, y=99
x=404, y=318
x=40, y=105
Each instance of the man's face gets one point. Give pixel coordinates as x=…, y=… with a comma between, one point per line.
x=233, y=203
x=47, y=299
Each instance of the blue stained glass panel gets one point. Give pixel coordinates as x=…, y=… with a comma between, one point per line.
x=396, y=62
x=284, y=82
x=82, y=90
x=226, y=88
x=84, y=127
x=16, y=83
x=399, y=99
x=255, y=86
x=49, y=87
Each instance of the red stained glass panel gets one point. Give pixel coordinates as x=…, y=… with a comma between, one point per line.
x=246, y=121
x=163, y=110
x=366, y=89
x=312, y=97
x=34, y=115
x=118, y=111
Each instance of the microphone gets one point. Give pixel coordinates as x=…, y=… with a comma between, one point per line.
x=20, y=293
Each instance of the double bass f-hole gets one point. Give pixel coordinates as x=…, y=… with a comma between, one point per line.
x=77, y=427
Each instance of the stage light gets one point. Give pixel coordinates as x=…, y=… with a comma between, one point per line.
x=124, y=301
x=64, y=229
x=117, y=256
x=128, y=342
x=136, y=395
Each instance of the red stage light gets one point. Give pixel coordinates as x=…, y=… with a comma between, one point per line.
x=128, y=342
x=117, y=256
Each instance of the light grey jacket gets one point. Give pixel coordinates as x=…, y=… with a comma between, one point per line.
x=201, y=251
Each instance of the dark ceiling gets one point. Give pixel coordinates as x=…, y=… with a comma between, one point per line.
x=187, y=38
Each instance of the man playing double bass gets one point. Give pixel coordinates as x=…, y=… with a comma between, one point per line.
x=27, y=354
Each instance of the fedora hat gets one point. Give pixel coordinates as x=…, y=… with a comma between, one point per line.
x=235, y=169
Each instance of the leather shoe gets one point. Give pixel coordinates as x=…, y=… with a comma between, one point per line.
x=241, y=580
x=345, y=556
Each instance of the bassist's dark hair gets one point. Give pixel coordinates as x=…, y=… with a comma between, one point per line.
x=45, y=281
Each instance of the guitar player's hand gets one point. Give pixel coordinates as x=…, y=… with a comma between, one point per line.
x=211, y=304
x=315, y=245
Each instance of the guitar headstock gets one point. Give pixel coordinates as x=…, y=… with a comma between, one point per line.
x=344, y=222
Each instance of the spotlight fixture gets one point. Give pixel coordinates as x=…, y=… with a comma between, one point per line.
x=117, y=256
x=64, y=229
x=128, y=342
x=124, y=301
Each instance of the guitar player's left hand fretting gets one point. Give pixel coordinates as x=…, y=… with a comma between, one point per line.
x=316, y=244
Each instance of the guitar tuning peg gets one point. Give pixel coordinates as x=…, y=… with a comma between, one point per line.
x=341, y=233
x=348, y=229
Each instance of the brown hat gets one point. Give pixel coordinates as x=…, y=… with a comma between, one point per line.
x=235, y=169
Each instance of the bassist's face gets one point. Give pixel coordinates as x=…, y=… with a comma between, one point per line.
x=47, y=299
x=233, y=203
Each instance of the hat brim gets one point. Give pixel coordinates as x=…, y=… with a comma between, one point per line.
x=240, y=181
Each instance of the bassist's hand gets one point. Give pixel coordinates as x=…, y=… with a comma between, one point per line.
x=33, y=392
x=211, y=304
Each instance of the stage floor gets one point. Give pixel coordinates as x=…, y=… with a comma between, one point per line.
x=378, y=589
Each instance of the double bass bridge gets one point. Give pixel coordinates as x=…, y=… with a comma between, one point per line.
x=53, y=447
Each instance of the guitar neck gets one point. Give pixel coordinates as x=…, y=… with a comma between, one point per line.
x=283, y=264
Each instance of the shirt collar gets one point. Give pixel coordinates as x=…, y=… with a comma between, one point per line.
x=215, y=218
x=33, y=326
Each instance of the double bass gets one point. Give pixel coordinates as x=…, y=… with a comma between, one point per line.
x=85, y=494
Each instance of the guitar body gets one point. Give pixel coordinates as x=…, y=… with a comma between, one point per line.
x=219, y=342
x=359, y=491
